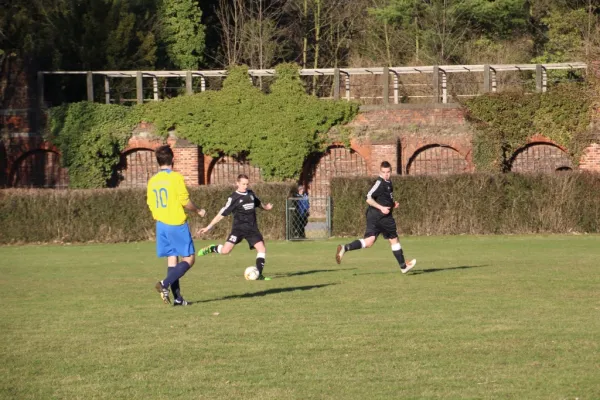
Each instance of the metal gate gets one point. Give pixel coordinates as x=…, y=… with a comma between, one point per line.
x=308, y=218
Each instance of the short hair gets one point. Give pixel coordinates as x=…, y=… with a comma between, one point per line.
x=242, y=176
x=164, y=155
x=386, y=164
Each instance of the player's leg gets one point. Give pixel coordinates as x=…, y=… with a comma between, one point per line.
x=182, y=244
x=355, y=245
x=261, y=254
x=371, y=233
x=172, y=261
x=226, y=248
x=164, y=249
x=390, y=233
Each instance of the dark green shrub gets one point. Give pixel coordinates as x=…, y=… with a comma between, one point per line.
x=118, y=215
x=477, y=204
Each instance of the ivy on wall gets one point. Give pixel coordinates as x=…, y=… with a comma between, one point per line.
x=90, y=137
x=277, y=131
x=505, y=122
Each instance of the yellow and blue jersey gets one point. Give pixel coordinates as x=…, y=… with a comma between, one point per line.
x=166, y=196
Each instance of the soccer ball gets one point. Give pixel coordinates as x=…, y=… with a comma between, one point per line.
x=251, y=273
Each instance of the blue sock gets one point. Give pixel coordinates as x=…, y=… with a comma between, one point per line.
x=175, y=273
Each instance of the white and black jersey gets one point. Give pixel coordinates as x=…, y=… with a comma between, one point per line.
x=243, y=207
x=383, y=193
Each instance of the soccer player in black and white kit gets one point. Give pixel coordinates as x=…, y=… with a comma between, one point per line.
x=380, y=220
x=242, y=204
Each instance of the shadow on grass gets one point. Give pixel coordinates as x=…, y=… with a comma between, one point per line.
x=424, y=271
x=264, y=293
x=312, y=271
x=429, y=270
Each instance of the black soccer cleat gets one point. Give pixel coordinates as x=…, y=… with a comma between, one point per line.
x=163, y=291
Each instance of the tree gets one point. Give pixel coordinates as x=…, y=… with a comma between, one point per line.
x=250, y=32
x=183, y=33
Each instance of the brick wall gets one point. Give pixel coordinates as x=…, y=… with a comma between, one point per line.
x=415, y=140
x=590, y=160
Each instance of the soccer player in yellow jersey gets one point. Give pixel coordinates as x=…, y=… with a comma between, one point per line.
x=167, y=197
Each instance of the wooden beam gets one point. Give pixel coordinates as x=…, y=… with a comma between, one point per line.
x=106, y=90
x=386, y=86
x=336, y=83
x=487, y=82
x=436, y=84
x=90, y=86
x=188, y=83
x=139, y=87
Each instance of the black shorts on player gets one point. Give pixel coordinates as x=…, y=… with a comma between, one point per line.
x=238, y=234
x=380, y=224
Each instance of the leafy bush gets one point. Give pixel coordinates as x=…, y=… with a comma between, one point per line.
x=477, y=204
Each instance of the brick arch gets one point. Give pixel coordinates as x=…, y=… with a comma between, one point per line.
x=135, y=168
x=540, y=157
x=336, y=161
x=224, y=170
x=437, y=159
x=39, y=168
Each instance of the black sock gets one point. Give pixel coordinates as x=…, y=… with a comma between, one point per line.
x=175, y=273
x=399, y=254
x=260, y=264
x=176, y=290
x=353, y=246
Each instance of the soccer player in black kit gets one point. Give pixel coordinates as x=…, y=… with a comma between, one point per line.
x=380, y=220
x=242, y=204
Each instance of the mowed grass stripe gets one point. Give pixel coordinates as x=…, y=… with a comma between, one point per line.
x=480, y=317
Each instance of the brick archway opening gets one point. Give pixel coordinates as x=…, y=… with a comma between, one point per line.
x=540, y=157
x=336, y=161
x=436, y=159
x=224, y=170
x=135, y=168
x=39, y=169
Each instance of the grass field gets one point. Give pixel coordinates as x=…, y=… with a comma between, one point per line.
x=492, y=317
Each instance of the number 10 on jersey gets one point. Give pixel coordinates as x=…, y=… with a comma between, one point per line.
x=161, y=197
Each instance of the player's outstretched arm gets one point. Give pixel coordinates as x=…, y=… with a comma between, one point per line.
x=208, y=227
x=267, y=206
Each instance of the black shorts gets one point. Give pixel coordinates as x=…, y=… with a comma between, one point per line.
x=252, y=236
x=381, y=224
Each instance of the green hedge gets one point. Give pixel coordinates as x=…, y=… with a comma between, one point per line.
x=118, y=215
x=477, y=204
x=469, y=203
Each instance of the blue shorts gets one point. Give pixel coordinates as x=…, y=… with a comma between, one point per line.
x=174, y=240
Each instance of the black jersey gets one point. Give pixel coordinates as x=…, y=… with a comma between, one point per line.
x=243, y=206
x=382, y=192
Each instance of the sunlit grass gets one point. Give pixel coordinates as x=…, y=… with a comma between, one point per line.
x=481, y=317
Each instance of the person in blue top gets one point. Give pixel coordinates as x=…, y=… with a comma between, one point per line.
x=302, y=213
